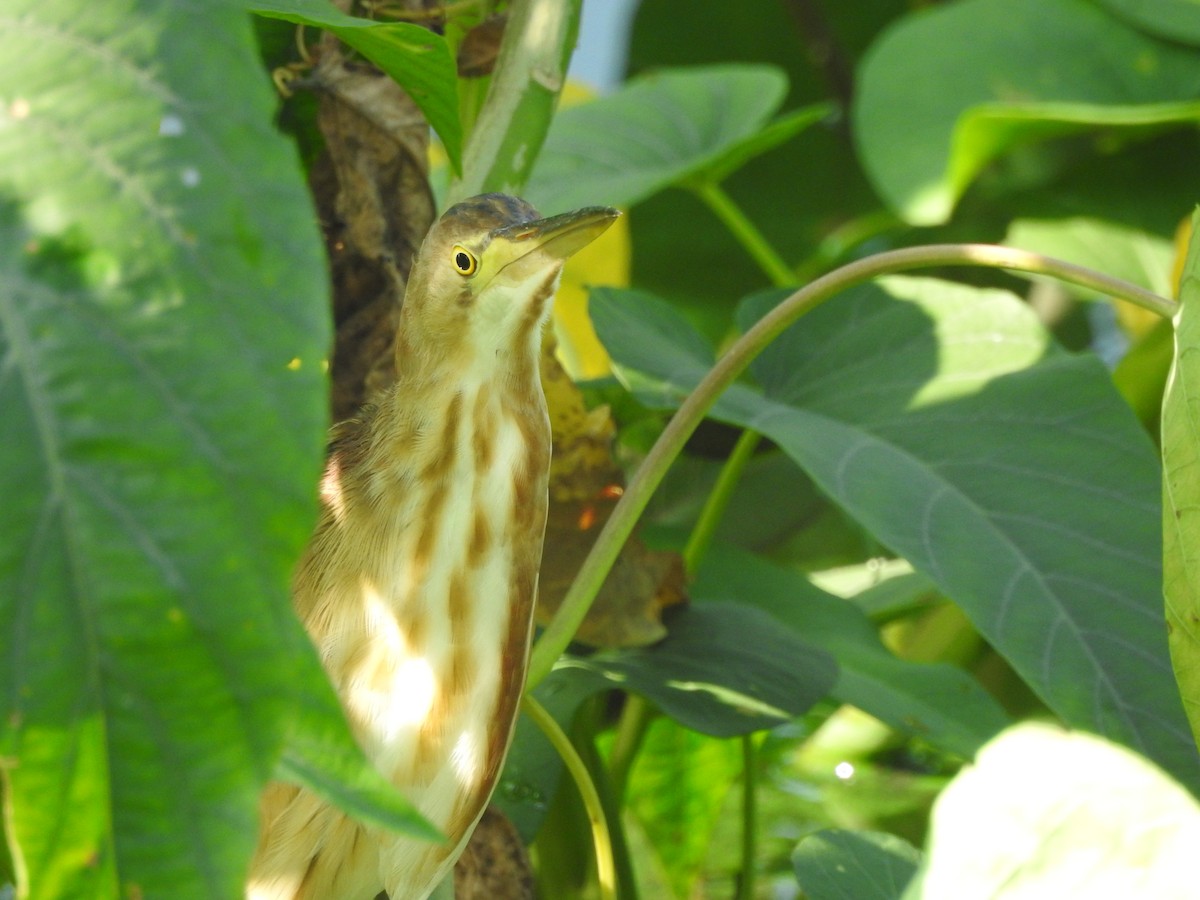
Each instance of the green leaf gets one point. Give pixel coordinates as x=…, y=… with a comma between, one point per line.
x=1141, y=375
x=1048, y=813
x=667, y=128
x=928, y=117
x=539, y=38
x=722, y=670
x=417, y=59
x=320, y=758
x=659, y=355
x=1177, y=20
x=895, y=597
x=1101, y=244
x=1181, y=487
x=163, y=323
x=939, y=703
x=533, y=768
x=753, y=519
x=794, y=193
x=833, y=864
x=678, y=788
x=937, y=415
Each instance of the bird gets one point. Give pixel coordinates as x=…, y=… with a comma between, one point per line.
x=418, y=584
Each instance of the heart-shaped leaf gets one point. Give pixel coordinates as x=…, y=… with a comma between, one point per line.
x=1010, y=473
x=939, y=703
x=928, y=117
x=834, y=864
x=1177, y=20
x=662, y=129
x=722, y=670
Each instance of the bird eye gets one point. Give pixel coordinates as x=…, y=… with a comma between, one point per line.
x=465, y=262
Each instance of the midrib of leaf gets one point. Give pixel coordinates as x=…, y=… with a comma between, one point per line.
x=22, y=356
x=184, y=809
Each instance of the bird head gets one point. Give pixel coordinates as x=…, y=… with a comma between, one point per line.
x=482, y=282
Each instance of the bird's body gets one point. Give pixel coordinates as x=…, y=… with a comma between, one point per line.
x=419, y=583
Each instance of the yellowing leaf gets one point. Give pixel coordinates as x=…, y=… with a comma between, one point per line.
x=603, y=262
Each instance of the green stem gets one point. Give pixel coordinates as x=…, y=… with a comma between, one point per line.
x=631, y=731
x=718, y=500
x=522, y=93
x=605, y=865
x=745, y=890
x=590, y=719
x=689, y=415
x=845, y=238
x=746, y=232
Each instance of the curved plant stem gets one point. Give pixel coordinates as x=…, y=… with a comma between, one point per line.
x=689, y=415
x=605, y=865
x=745, y=889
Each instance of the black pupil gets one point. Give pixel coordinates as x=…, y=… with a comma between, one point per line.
x=462, y=261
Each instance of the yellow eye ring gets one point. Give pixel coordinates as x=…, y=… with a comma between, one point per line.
x=464, y=260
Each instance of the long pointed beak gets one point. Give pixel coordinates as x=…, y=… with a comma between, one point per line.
x=530, y=246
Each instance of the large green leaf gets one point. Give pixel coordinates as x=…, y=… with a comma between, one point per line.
x=1181, y=487
x=162, y=328
x=722, y=670
x=929, y=117
x=663, y=129
x=1009, y=472
x=418, y=60
x=797, y=192
x=854, y=865
x=1174, y=19
x=1046, y=813
x=939, y=703
x=678, y=788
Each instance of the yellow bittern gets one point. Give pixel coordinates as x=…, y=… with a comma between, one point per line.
x=419, y=582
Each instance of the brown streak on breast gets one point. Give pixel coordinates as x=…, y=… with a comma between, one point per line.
x=436, y=473
x=461, y=671
x=529, y=485
x=458, y=603
x=481, y=538
x=534, y=312
x=432, y=735
x=416, y=632
x=306, y=881
x=429, y=757
x=485, y=431
x=446, y=452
